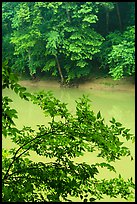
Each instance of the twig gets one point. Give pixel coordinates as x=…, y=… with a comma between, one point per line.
x=15, y=158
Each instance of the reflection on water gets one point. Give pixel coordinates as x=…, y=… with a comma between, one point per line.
x=120, y=105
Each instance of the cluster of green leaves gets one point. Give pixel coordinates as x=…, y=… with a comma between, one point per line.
x=65, y=137
x=63, y=38
x=10, y=80
x=118, y=53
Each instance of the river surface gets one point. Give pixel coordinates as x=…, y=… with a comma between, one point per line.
x=112, y=103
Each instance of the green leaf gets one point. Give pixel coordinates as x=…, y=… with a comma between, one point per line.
x=16, y=89
x=92, y=199
x=113, y=120
x=81, y=196
x=118, y=124
x=22, y=89
x=132, y=158
x=85, y=200
x=98, y=115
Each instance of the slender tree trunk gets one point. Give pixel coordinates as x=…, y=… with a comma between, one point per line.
x=107, y=21
x=67, y=12
x=33, y=75
x=29, y=57
x=59, y=69
x=119, y=17
x=68, y=16
x=29, y=62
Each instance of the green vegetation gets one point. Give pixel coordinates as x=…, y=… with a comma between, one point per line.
x=66, y=137
x=120, y=55
x=69, y=40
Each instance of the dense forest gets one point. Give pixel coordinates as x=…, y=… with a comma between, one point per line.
x=69, y=40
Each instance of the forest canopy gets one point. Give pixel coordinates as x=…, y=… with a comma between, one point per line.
x=69, y=40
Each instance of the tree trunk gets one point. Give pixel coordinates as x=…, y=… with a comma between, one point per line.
x=119, y=18
x=29, y=57
x=68, y=16
x=29, y=63
x=67, y=12
x=107, y=21
x=59, y=69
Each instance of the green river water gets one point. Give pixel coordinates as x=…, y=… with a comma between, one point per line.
x=117, y=104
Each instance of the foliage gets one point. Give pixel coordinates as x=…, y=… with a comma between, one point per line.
x=65, y=137
x=7, y=47
x=118, y=53
x=9, y=80
x=64, y=39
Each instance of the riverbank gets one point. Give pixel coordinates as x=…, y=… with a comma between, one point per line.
x=100, y=83
x=107, y=83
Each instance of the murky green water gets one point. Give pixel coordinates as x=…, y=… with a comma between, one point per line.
x=118, y=104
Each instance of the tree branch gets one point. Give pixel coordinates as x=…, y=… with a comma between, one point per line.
x=15, y=158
